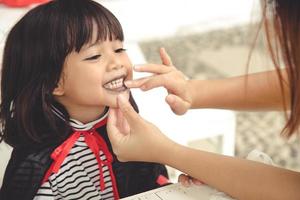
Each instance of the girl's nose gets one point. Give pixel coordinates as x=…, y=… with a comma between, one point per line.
x=114, y=64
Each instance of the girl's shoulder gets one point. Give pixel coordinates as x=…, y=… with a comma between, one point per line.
x=24, y=172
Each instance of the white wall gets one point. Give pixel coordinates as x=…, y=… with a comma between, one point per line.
x=146, y=19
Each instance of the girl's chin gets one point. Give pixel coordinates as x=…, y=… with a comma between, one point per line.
x=115, y=101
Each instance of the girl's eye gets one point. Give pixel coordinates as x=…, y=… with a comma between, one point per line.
x=93, y=57
x=120, y=50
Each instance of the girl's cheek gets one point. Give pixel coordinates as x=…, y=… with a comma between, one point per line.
x=130, y=72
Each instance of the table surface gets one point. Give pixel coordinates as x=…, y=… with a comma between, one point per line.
x=179, y=192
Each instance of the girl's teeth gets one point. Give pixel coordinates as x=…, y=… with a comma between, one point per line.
x=114, y=84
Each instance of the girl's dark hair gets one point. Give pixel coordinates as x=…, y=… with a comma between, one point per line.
x=281, y=20
x=33, y=59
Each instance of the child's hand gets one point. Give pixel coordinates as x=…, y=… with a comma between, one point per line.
x=186, y=180
x=167, y=76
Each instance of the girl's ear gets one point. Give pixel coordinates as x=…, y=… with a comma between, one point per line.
x=59, y=90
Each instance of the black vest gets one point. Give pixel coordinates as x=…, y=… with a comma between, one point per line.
x=27, y=167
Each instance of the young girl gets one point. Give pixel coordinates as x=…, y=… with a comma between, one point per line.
x=63, y=66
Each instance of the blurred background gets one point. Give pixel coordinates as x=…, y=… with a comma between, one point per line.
x=206, y=40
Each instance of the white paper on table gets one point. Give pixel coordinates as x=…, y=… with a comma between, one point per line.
x=177, y=192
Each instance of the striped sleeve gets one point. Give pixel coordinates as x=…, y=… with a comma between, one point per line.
x=44, y=192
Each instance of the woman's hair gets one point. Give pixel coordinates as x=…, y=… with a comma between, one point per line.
x=281, y=19
x=33, y=59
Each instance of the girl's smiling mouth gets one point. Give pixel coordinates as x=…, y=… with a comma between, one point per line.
x=116, y=84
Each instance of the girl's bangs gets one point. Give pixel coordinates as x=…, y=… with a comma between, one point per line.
x=80, y=32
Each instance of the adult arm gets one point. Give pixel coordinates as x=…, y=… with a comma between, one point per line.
x=259, y=91
x=134, y=139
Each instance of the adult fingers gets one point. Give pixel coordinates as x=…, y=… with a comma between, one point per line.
x=112, y=127
x=177, y=105
x=128, y=112
x=153, y=68
x=112, y=117
x=148, y=83
x=137, y=82
x=122, y=123
x=197, y=182
x=184, y=180
x=166, y=60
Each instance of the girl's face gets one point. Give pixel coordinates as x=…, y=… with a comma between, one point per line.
x=92, y=79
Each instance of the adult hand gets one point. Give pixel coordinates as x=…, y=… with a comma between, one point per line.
x=167, y=76
x=187, y=180
x=133, y=138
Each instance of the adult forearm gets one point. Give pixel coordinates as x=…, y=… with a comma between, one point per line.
x=252, y=92
x=240, y=178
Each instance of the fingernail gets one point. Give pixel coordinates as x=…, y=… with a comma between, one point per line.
x=128, y=83
x=198, y=182
x=143, y=87
x=136, y=67
x=185, y=183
